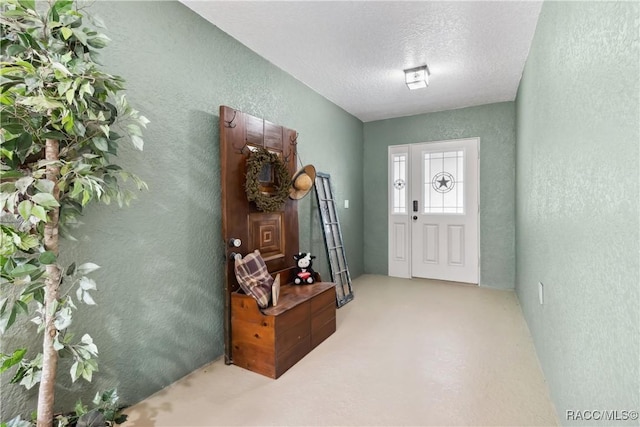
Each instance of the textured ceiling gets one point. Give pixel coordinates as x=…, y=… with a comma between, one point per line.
x=353, y=52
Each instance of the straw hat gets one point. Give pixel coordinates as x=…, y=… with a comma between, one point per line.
x=302, y=182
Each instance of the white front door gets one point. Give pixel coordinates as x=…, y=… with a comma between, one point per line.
x=433, y=216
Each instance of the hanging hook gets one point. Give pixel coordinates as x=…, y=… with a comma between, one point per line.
x=242, y=149
x=294, y=141
x=229, y=123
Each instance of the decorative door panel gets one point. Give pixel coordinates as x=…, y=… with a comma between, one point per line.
x=400, y=237
x=430, y=237
x=455, y=244
x=444, y=192
x=266, y=233
x=433, y=193
x=275, y=234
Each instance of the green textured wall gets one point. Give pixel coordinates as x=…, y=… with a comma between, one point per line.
x=495, y=125
x=577, y=203
x=160, y=309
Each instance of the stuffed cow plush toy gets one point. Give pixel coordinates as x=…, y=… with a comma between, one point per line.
x=304, y=272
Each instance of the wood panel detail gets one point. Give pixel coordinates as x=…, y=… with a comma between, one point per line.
x=266, y=234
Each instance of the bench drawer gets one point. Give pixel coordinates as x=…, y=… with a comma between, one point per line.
x=323, y=300
x=323, y=332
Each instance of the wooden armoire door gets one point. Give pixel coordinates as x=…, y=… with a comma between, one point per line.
x=275, y=234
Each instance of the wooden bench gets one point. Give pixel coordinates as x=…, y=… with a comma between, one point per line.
x=270, y=341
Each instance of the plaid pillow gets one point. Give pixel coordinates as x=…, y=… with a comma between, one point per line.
x=254, y=278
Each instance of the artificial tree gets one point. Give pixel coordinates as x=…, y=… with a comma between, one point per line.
x=60, y=117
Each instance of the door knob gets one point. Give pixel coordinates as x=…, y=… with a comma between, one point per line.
x=235, y=243
x=235, y=256
x=415, y=217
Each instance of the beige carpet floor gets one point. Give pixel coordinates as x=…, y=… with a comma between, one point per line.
x=406, y=352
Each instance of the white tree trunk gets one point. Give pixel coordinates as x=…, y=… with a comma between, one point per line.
x=46, y=391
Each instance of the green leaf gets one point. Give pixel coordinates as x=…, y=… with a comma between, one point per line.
x=63, y=318
x=39, y=212
x=80, y=35
x=13, y=13
x=90, y=366
x=54, y=135
x=23, y=184
x=71, y=269
x=23, y=144
x=14, y=128
x=89, y=345
x=86, y=88
x=29, y=241
x=44, y=185
x=66, y=32
x=7, y=318
x=62, y=6
x=101, y=143
x=31, y=378
x=47, y=258
x=59, y=67
x=22, y=306
x=99, y=41
x=86, y=197
x=38, y=295
x=64, y=86
x=46, y=200
x=24, y=208
x=14, y=359
x=10, y=174
x=32, y=288
x=77, y=189
x=26, y=65
x=40, y=103
x=15, y=49
x=137, y=142
x=88, y=299
x=28, y=4
x=57, y=345
x=69, y=95
x=134, y=130
x=23, y=270
x=87, y=284
x=80, y=409
x=76, y=370
x=86, y=268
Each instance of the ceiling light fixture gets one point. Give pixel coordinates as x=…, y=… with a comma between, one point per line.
x=417, y=78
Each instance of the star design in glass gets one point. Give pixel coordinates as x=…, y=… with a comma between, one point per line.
x=443, y=182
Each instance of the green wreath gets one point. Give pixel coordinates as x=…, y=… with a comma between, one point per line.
x=267, y=202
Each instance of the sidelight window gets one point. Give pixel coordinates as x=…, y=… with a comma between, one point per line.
x=399, y=183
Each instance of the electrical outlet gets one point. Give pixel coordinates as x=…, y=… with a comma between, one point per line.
x=541, y=293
